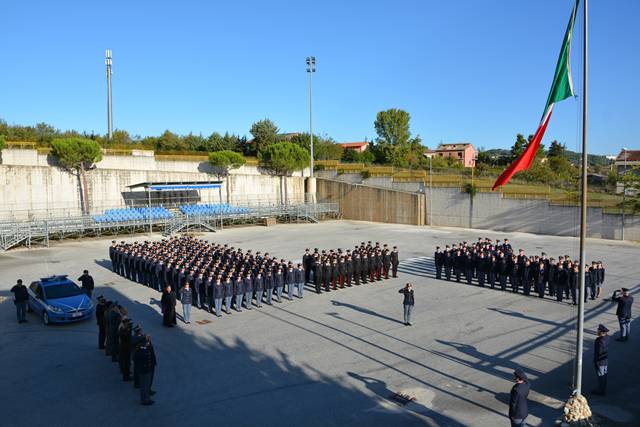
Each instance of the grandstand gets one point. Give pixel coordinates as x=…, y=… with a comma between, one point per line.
x=131, y=214
x=213, y=209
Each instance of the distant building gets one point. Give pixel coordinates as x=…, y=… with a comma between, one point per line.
x=627, y=160
x=355, y=146
x=462, y=152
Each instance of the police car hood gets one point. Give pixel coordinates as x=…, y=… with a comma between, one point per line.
x=70, y=303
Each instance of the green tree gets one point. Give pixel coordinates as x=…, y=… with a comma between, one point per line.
x=392, y=127
x=120, y=137
x=265, y=133
x=557, y=149
x=77, y=155
x=394, y=143
x=169, y=141
x=284, y=158
x=518, y=147
x=223, y=162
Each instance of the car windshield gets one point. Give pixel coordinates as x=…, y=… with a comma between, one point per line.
x=62, y=290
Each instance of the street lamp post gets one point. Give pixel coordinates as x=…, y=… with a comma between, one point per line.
x=624, y=189
x=311, y=68
x=109, y=115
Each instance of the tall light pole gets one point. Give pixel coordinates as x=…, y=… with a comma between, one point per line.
x=107, y=61
x=624, y=189
x=311, y=68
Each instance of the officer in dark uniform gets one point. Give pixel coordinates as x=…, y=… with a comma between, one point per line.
x=502, y=271
x=386, y=263
x=518, y=407
x=468, y=267
x=395, y=261
x=601, y=359
x=137, y=339
x=143, y=360
x=448, y=263
x=480, y=269
x=100, y=309
x=307, y=259
x=562, y=282
x=112, y=254
x=438, y=260
x=317, y=275
x=124, y=355
x=623, y=311
x=357, y=263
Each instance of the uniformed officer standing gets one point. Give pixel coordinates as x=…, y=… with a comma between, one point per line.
x=100, y=308
x=395, y=261
x=601, y=359
x=623, y=311
x=438, y=260
x=124, y=355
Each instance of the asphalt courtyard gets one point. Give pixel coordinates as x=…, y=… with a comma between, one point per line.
x=334, y=359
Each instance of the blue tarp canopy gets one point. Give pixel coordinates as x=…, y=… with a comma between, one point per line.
x=183, y=187
x=167, y=186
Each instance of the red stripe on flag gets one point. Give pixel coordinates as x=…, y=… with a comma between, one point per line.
x=524, y=161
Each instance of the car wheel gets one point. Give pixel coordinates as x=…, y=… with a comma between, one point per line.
x=45, y=318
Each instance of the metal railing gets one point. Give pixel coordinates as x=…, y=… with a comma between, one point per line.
x=40, y=231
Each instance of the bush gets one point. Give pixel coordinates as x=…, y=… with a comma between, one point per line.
x=471, y=189
x=365, y=174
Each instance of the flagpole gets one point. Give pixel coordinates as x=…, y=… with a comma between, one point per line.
x=583, y=214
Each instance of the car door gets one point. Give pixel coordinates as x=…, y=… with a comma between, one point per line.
x=36, y=297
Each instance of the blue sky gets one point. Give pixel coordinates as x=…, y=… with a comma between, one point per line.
x=466, y=70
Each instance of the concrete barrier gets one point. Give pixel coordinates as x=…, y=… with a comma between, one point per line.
x=373, y=204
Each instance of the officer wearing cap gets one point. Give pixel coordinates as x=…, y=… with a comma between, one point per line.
x=623, y=312
x=518, y=408
x=601, y=359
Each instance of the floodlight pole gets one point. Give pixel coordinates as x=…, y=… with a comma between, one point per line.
x=624, y=190
x=583, y=217
x=311, y=68
x=109, y=111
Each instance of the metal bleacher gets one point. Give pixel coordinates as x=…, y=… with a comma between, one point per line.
x=194, y=217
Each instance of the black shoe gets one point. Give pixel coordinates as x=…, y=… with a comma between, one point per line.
x=148, y=403
x=598, y=392
x=620, y=339
x=152, y=392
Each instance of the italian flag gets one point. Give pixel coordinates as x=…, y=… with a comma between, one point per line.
x=562, y=88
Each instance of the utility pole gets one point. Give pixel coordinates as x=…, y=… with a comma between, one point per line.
x=311, y=68
x=109, y=113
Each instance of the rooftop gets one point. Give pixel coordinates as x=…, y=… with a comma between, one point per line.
x=632, y=156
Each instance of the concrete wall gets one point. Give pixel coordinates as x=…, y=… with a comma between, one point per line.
x=33, y=190
x=138, y=160
x=454, y=208
x=373, y=204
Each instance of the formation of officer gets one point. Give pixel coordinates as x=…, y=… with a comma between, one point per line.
x=216, y=274
x=332, y=269
x=495, y=263
x=126, y=344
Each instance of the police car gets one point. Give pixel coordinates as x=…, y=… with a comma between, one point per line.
x=57, y=299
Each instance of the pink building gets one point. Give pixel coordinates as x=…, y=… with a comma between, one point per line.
x=463, y=152
x=356, y=146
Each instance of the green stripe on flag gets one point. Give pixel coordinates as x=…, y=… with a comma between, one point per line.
x=562, y=87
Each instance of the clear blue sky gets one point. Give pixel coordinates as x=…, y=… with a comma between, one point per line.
x=466, y=70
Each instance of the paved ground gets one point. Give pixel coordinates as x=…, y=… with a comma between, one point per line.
x=327, y=360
